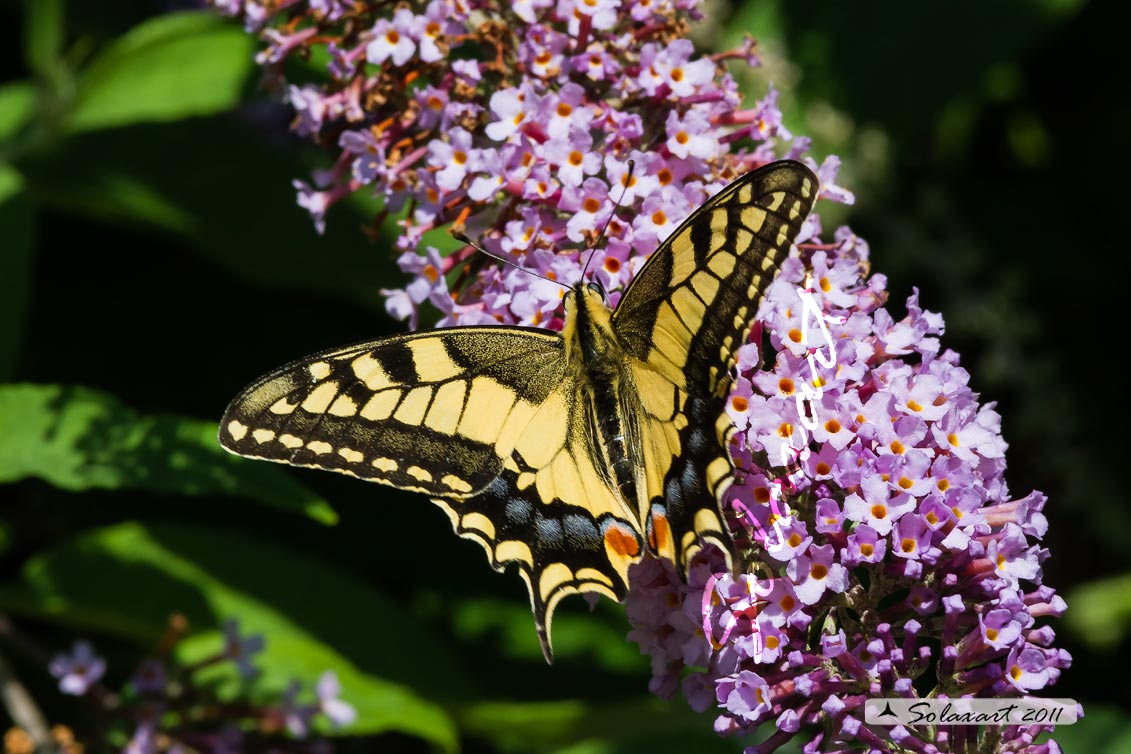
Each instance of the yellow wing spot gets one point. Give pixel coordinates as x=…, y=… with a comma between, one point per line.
x=369, y=370
x=655, y=393
x=567, y=479
x=291, y=441
x=418, y=473
x=384, y=464
x=705, y=520
x=753, y=218
x=263, y=435
x=321, y=447
x=716, y=471
x=237, y=430
x=486, y=400
x=683, y=259
x=525, y=479
x=513, y=550
x=722, y=264
x=783, y=238
x=517, y=420
x=795, y=211
x=412, y=408
x=552, y=577
x=320, y=397
x=546, y=432
x=480, y=523
x=319, y=370
x=755, y=284
x=746, y=194
x=706, y=285
x=343, y=405
x=453, y=482
x=282, y=406
x=447, y=407
x=720, y=220
x=713, y=375
x=778, y=198
x=723, y=426
x=592, y=574
x=672, y=338
x=380, y=407
x=351, y=455
x=432, y=361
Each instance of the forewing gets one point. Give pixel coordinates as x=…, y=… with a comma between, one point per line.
x=425, y=412
x=486, y=421
x=681, y=320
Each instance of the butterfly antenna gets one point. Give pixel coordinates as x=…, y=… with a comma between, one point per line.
x=625, y=183
x=460, y=236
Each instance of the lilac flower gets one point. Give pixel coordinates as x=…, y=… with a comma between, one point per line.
x=393, y=40
x=150, y=677
x=79, y=670
x=241, y=649
x=339, y=712
x=144, y=739
x=297, y=717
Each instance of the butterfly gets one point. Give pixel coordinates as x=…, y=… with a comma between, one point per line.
x=571, y=454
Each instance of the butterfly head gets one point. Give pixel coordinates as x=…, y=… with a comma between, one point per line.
x=588, y=325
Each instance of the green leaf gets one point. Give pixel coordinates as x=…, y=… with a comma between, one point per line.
x=1101, y=612
x=17, y=106
x=44, y=33
x=576, y=633
x=127, y=579
x=17, y=225
x=576, y=726
x=1102, y=730
x=168, y=68
x=77, y=438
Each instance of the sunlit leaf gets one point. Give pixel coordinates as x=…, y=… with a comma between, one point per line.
x=17, y=105
x=127, y=579
x=1101, y=611
x=77, y=438
x=1102, y=730
x=579, y=727
x=168, y=68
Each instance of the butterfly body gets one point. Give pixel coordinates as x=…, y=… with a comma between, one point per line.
x=571, y=454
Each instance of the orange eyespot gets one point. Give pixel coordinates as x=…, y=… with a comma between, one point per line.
x=621, y=541
x=661, y=533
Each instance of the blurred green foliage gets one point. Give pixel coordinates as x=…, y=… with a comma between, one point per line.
x=152, y=261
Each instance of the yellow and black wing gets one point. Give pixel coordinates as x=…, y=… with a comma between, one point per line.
x=487, y=421
x=681, y=319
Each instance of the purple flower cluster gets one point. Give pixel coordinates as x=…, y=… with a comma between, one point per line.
x=881, y=552
x=518, y=122
x=170, y=711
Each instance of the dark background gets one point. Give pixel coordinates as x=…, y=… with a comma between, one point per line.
x=152, y=261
